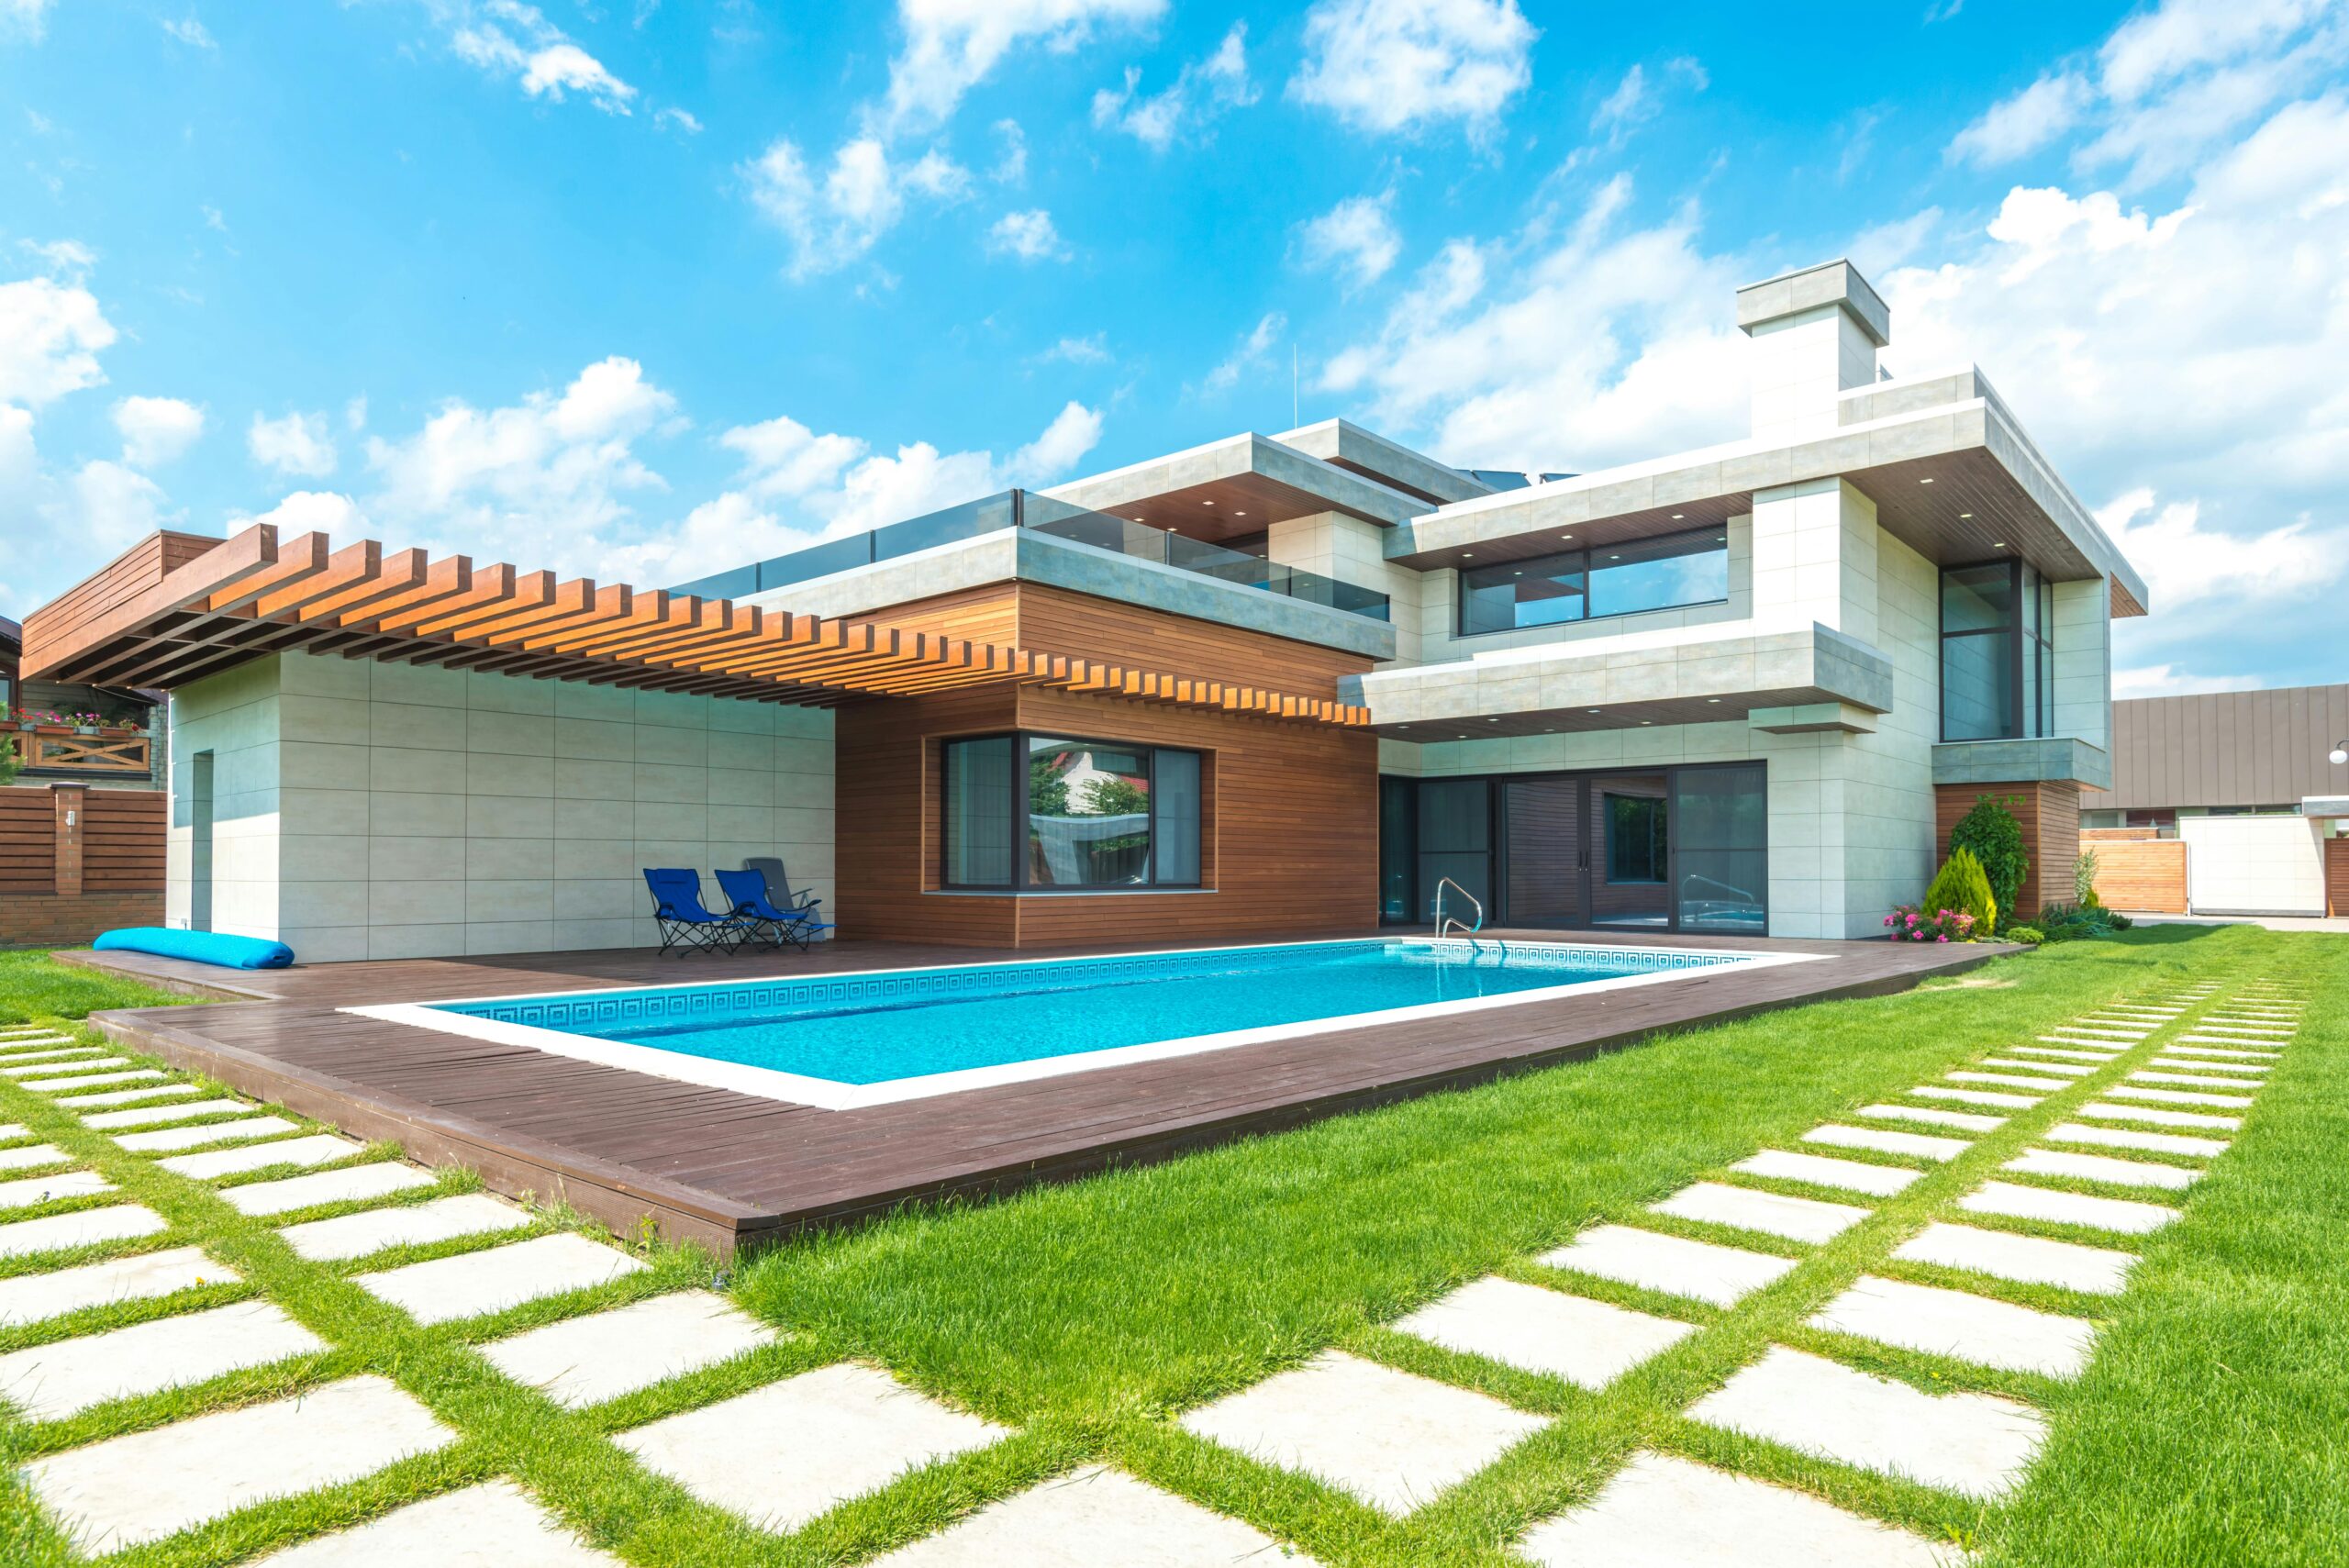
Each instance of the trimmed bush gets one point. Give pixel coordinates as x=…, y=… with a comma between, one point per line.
x=2029, y=936
x=1995, y=838
x=1961, y=887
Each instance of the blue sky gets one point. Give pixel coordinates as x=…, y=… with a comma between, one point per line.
x=643, y=288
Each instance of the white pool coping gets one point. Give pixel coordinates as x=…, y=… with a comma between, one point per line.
x=826, y=1093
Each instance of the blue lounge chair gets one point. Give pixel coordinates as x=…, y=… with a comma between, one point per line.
x=685, y=924
x=795, y=920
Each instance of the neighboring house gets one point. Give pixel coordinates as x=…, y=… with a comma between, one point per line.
x=1744, y=690
x=120, y=749
x=2227, y=803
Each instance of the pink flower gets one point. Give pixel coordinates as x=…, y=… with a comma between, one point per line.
x=1941, y=938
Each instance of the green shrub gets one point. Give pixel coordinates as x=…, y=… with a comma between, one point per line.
x=2029, y=936
x=1961, y=886
x=2066, y=922
x=1992, y=833
x=2083, y=871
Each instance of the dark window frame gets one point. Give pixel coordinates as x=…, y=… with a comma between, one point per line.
x=1022, y=759
x=1579, y=560
x=2031, y=648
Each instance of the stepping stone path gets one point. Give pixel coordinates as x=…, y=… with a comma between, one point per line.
x=1389, y=1439
x=2129, y=1099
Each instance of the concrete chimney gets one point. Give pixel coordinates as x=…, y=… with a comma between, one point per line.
x=1815, y=333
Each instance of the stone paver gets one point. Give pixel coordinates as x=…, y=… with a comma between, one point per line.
x=1659, y=1512
x=29, y=1190
x=2153, y=1116
x=2069, y=1054
x=2067, y=1069
x=57, y=1379
x=79, y=1103
x=1389, y=1439
x=2220, y=1046
x=2029, y=1260
x=381, y=1179
x=2178, y=1096
x=2100, y=1168
x=2123, y=1137
x=1799, y=1218
x=1975, y=1098
x=2251, y=1073
x=1671, y=1264
x=585, y=1361
x=1920, y=1145
x=51, y=1085
x=1852, y=1175
x=12, y=1130
x=782, y=1454
x=1093, y=1519
x=1953, y=1323
x=493, y=1524
x=2083, y=1042
x=2230, y=1052
x=152, y=1483
x=319, y=1149
x=1973, y=1444
x=2011, y=1080
x=30, y=1299
x=79, y=1229
x=417, y=1225
x=471, y=1284
x=175, y=1138
x=2186, y=1079
x=2124, y=1215
x=50, y=1063
x=1584, y=1342
x=148, y=1115
x=1972, y=1121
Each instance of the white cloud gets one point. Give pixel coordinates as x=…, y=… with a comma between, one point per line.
x=294, y=443
x=680, y=119
x=507, y=39
x=1029, y=236
x=2183, y=563
x=2170, y=681
x=67, y=259
x=156, y=431
x=2167, y=85
x=1405, y=65
x=542, y=481
x=951, y=45
x=50, y=336
x=861, y=197
x=1088, y=351
x=23, y=20
x=1356, y=238
x=189, y=31
x=796, y=488
x=1253, y=349
x=104, y=508
x=313, y=511
x=1011, y=165
x=1201, y=93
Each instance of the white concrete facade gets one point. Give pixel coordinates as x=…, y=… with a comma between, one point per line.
x=376, y=810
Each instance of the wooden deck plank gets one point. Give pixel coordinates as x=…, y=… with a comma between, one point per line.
x=728, y=1168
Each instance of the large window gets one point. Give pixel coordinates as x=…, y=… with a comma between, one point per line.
x=1998, y=653
x=1638, y=841
x=1590, y=584
x=1045, y=813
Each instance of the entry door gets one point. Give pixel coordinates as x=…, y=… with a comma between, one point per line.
x=199, y=864
x=1546, y=868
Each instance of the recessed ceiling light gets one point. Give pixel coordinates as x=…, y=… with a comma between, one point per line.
x=1492, y=721
x=1965, y=515
x=1239, y=514
x=2000, y=544
x=1647, y=721
x=1712, y=699
x=1565, y=536
x=1925, y=480
x=1594, y=710
x=1614, y=558
x=1467, y=555
x=1676, y=517
x=1206, y=503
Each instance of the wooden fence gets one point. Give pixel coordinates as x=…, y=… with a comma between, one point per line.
x=2139, y=873
x=2336, y=876
x=76, y=860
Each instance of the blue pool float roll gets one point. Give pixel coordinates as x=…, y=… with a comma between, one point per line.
x=201, y=947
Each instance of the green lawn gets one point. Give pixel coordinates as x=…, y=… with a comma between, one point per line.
x=1088, y=1316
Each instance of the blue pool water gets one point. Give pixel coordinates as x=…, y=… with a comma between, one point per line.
x=872, y=1028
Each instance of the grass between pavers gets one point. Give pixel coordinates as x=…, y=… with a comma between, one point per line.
x=1088, y=1316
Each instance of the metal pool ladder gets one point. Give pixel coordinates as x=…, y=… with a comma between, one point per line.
x=1443, y=920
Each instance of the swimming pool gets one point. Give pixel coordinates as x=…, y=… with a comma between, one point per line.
x=841, y=1040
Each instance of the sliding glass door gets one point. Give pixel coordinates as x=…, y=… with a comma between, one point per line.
x=1677, y=848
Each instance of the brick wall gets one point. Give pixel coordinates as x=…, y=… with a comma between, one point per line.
x=48, y=920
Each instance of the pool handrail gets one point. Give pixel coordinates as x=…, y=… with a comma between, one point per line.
x=1441, y=918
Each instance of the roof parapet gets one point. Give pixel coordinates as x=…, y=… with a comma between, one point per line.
x=1836, y=282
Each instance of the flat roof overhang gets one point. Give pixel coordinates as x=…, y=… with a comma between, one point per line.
x=168, y=617
x=1231, y=488
x=1957, y=483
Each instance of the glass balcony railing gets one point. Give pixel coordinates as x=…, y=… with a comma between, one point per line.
x=1023, y=508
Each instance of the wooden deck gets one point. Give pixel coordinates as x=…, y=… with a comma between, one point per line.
x=728, y=1169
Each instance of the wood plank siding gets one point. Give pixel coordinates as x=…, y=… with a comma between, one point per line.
x=1289, y=817
x=2049, y=811
x=2146, y=874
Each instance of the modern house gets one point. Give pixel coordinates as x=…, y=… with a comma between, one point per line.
x=2227, y=803
x=1275, y=684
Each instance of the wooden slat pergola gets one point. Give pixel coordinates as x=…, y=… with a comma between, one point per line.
x=144, y=621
